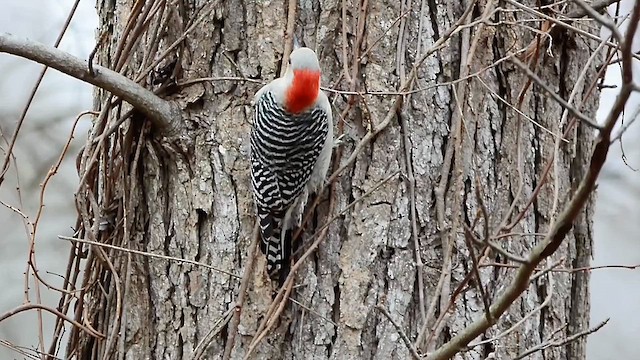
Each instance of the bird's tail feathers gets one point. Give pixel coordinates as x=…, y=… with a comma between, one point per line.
x=275, y=246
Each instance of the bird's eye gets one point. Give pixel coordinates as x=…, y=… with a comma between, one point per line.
x=289, y=61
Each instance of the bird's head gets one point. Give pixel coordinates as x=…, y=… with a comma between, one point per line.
x=303, y=75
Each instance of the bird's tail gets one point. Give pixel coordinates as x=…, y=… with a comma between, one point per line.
x=275, y=245
x=281, y=272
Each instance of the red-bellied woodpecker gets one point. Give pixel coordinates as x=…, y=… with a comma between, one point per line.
x=291, y=144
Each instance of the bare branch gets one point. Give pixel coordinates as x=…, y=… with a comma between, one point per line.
x=34, y=90
x=164, y=115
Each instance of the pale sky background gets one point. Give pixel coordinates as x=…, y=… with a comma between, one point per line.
x=615, y=293
x=41, y=140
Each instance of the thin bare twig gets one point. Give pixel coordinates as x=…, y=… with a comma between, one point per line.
x=29, y=352
x=55, y=312
x=288, y=35
x=439, y=194
x=147, y=254
x=309, y=309
x=244, y=284
x=273, y=313
x=410, y=178
x=575, y=112
x=403, y=335
x=198, y=352
x=601, y=19
x=561, y=342
x=544, y=304
x=452, y=172
x=222, y=78
x=345, y=44
x=476, y=272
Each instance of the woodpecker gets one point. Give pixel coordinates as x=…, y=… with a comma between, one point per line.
x=291, y=144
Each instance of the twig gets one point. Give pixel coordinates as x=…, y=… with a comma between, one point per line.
x=597, y=5
x=147, y=254
x=117, y=311
x=141, y=23
x=411, y=180
x=625, y=126
x=31, y=260
x=195, y=25
x=309, y=309
x=376, y=41
x=403, y=335
x=561, y=342
x=565, y=114
x=575, y=112
x=351, y=205
x=476, y=272
x=519, y=112
x=485, y=217
x=505, y=225
x=345, y=44
x=92, y=54
x=602, y=20
x=579, y=13
x=222, y=78
x=31, y=255
x=270, y=319
x=198, y=352
x=244, y=284
x=452, y=168
x=398, y=101
x=24, y=351
x=124, y=35
x=288, y=34
x=439, y=193
x=55, y=312
x=546, y=302
x=498, y=249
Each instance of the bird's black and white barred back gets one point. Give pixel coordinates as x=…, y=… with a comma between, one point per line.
x=285, y=149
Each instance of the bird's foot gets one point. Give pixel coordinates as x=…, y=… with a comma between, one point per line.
x=340, y=140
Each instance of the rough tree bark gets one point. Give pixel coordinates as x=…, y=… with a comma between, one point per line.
x=470, y=153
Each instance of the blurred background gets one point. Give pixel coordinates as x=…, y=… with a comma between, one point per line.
x=46, y=129
x=615, y=293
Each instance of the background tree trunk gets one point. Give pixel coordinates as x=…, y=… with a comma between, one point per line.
x=471, y=156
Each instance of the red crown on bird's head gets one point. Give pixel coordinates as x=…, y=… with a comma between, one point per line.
x=303, y=91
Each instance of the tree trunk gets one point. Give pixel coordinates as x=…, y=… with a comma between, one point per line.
x=467, y=155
